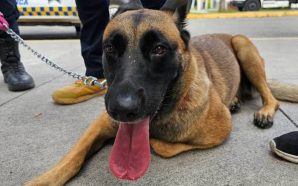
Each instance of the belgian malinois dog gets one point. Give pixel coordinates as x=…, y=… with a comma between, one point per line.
x=166, y=90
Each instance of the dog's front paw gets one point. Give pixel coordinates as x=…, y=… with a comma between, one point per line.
x=37, y=183
x=264, y=117
x=263, y=120
x=41, y=181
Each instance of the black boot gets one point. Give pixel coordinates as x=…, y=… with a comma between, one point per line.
x=13, y=70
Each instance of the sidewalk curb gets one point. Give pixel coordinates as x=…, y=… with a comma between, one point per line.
x=242, y=14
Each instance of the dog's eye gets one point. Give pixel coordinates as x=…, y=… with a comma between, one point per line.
x=109, y=49
x=159, y=50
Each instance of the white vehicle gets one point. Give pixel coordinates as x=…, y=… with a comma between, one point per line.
x=48, y=12
x=254, y=5
x=53, y=12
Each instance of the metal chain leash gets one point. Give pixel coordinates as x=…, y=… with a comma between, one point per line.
x=87, y=80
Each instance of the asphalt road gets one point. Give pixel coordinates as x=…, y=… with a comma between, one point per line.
x=252, y=27
x=35, y=133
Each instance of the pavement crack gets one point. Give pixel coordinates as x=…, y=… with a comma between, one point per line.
x=4, y=103
x=14, y=98
x=287, y=116
x=40, y=85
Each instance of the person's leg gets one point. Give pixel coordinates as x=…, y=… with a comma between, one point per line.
x=13, y=70
x=94, y=16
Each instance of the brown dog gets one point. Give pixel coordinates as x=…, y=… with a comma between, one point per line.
x=167, y=88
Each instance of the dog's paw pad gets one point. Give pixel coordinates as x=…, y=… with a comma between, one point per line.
x=263, y=121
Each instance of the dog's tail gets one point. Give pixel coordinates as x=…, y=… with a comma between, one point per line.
x=284, y=91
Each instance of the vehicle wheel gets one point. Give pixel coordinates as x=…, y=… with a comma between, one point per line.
x=252, y=5
x=113, y=9
x=240, y=9
x=78, y=29
x=188, y=6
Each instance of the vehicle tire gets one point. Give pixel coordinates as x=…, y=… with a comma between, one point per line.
x=113, y=9
x=240, y=9
x=252, y=5
x=78, y=29
x=188, y=6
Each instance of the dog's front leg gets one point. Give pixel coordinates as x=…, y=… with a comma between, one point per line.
x=94, y=136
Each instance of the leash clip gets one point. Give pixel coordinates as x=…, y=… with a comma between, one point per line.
x=4, y=26
x=91, y=81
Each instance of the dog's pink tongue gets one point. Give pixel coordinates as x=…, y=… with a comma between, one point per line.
x=130, y=155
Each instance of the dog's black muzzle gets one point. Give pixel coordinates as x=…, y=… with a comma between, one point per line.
x=125, y=101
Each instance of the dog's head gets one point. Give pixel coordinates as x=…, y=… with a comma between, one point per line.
x=142, y=57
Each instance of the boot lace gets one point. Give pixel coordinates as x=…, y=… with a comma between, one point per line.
x=16, y=67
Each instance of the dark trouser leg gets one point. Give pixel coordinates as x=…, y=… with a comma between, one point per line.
x=94, y=15
x=153, y=4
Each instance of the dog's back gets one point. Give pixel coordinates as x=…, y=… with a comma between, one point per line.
x=220, y=62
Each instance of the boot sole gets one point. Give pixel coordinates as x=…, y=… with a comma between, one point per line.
x=282, y=154
x=70, y=101
x=20, y=87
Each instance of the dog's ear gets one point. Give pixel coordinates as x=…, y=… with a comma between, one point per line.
x=178, y=8
x=131, y=5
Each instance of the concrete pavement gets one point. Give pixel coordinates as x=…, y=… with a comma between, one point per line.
x=35, y=133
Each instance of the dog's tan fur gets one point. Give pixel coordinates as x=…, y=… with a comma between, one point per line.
x=209, y=83
x=284, y=91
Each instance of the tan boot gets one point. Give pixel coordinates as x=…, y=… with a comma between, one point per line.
x=76, y=93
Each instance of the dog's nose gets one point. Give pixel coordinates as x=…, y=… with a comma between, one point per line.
x=127, y=107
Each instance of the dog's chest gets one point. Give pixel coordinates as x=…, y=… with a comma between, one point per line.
x=167, y=131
